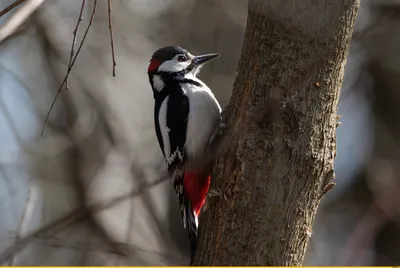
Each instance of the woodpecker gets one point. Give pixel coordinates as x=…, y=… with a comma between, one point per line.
x=186, y=118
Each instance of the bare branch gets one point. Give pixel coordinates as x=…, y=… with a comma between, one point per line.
x=111, y=36
x=30, y=203
x=70, y=67
x=46, y=230
x=10, y=7
x=80, y=18
x=95, y=247
x=69, y=219
x=18, y=18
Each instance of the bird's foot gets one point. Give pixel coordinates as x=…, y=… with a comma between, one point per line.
x=211, y=193
x=222, y=128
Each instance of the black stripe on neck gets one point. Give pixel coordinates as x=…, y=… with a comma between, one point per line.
x=172, y=85
x=190, y=81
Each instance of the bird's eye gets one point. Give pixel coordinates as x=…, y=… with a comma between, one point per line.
x=182, y=58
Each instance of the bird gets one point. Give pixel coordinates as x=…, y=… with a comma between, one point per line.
x=186, y=120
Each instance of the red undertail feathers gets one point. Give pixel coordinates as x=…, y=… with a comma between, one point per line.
x=196, y=186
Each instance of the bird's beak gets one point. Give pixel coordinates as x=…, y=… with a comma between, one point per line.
x=199, y=60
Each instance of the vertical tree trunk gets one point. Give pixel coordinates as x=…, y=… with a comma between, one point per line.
x=278, y=150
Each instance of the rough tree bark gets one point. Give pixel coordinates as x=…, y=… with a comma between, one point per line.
x=278, y=150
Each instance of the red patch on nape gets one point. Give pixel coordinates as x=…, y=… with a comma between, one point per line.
x=153, y=65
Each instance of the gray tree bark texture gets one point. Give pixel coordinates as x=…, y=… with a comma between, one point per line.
x=278, y=148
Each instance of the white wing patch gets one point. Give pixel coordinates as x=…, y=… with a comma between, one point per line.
x=162, y=120
x=172, y=156
x=158, y=83
x=177, y=174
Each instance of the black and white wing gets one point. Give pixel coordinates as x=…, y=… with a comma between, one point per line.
x=171, y=116
x=171, y=119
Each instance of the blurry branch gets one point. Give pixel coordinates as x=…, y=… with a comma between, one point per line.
x=73, y=61
x=25, y=216
x=69, y=219
x=11, y=6
x=80, y=18
x=364, y=233
x=111, y=36
x=95, y=247
x=385, y=173
x=11, y=25
x=46, y=230
x=7, y=115
x=388, y=13
x=11, y=124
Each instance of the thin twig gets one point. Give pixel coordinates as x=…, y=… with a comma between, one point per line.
x=11, y=6
x=71, y=55
x=111, y=36
x=19, y=17
x=72, y=64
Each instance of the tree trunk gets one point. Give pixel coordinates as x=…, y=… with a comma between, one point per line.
x=278, y=149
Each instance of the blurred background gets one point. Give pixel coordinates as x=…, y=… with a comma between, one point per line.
x=92, y=190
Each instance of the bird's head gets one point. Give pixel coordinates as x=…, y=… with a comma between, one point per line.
x=177, y=62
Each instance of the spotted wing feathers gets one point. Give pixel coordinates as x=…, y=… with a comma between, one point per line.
x=171, y=124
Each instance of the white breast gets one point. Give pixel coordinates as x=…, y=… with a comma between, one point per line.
x=204, y=114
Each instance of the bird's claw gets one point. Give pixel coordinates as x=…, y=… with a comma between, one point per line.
x=213, y=193
x=222, y=128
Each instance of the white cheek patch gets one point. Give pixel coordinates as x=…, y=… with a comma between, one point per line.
x=196, y=70
x=158, y=83
x=173, y=66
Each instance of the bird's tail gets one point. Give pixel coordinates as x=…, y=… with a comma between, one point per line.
x=191, y=226
x=196, y=188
